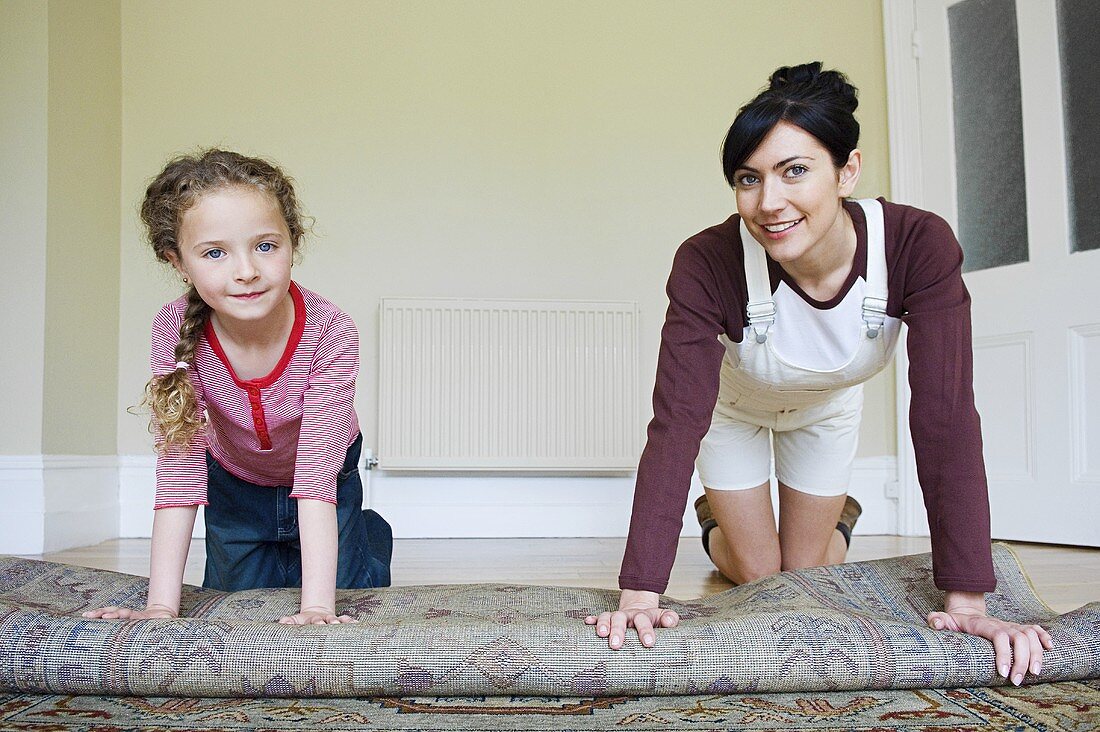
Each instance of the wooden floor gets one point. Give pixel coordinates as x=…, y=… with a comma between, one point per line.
x=1064, y=577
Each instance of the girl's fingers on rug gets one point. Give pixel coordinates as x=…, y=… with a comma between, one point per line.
x=670, y=619
x=113, y=612
x=101, y=612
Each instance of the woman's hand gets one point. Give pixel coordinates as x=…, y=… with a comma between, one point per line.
x=638, y=609
x=113, y=612
x=1018, y=648
x=316, y=616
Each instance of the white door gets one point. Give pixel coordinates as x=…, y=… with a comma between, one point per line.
x=995, y=164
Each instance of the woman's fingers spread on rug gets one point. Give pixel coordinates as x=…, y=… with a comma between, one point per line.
x=1028, y=642
x=1002, y=650
x=670, y=619
x=1017, y=648
x=644, y=626
x=618, y=630
x=1044, y=637
x=602, y=623
x=638, y=609
x=942, y=621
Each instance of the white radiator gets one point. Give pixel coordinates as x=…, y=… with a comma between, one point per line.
x=517, y=385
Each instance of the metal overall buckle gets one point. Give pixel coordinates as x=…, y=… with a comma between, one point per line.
x=874, y=315
x=761, y=314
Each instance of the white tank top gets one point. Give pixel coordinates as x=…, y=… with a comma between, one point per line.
x=795, y=355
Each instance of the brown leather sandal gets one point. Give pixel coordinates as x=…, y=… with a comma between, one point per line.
x=706, y=520
x=848, y=517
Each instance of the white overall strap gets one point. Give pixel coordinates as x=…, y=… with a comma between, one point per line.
x=761, y=308
x=874, y=304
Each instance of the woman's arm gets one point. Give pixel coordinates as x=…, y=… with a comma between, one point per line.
x=683, y=399
x=172, y=529
x=684, y=392
x=948, y=444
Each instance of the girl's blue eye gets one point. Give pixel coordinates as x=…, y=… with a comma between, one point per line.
x=796, y=170
x=214, y=254
x=265, y=246
x=746, y=180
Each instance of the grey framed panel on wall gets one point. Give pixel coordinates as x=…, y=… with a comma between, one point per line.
x=1079, y=48
x=989, y=139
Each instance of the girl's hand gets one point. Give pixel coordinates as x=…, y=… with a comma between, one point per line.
x=638, y=609
x=1017, y=648
x=316, y=616
x=113, y=612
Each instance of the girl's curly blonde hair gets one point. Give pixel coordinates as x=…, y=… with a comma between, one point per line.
x=171, y=397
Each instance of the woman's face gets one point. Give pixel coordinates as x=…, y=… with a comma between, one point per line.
x=789, y=194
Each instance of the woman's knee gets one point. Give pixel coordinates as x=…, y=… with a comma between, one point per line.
x=802, y=561
x=744, y=564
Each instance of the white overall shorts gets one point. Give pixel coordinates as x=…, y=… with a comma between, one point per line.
x=769, y=389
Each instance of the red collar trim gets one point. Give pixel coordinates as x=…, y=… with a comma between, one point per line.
x=288, y=353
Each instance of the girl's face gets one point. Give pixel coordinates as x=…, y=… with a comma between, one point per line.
x=789, y=194
x=235, y=247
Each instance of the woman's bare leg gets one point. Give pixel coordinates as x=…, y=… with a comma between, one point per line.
x=745, y=545
x=808, y=536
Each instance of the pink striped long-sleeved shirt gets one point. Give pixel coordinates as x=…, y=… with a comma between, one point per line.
x=291, y=427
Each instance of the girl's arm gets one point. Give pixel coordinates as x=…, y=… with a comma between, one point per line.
x=168, y=555
x=317, y=530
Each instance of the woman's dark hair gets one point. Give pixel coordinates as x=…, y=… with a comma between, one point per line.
x=820, y=102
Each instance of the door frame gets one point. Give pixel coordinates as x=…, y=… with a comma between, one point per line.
x=902, y=46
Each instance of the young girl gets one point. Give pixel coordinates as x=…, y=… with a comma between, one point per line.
x=776, y=317
x=251, y=397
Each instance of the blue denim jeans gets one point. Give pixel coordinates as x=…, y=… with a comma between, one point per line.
x=252, y=533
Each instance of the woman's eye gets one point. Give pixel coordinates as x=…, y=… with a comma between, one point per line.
x=214, y=254
x=747, y=180
x=797, y=170
x=265, y=246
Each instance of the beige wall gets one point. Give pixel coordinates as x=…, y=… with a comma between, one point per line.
x=82, y=225
x=24, y=53
x=60, y=80
x=493, y=149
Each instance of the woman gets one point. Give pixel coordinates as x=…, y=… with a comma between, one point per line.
x=775, y=319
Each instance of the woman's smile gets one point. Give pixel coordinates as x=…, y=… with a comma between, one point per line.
x=778, y=231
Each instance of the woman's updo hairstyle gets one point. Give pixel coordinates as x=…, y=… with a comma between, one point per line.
x=821, y=102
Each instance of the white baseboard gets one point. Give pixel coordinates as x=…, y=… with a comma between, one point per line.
x=488, y=505
x=57, y=502
x=430, y=506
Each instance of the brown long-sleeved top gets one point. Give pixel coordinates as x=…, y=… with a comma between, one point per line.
x=707, y=296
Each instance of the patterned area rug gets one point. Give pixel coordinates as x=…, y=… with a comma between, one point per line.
x=1069, y=706
x=847, y=627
